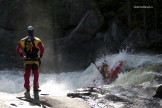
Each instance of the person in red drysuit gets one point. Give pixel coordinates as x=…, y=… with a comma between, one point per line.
x=31, y=49
x=105, y=71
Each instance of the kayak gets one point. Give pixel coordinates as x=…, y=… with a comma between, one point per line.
x=115, y=71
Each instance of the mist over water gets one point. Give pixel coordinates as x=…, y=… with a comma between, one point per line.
x=12, y=81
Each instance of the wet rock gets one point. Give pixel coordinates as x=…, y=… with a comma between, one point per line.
x=18, y=100
x=116, y=98
x=72, y=54
x=115, y=33
x=155, y=38
x=74, y=11
x=136, y=40
x=80, y=93
x=158, y=92
x=91, y=22
x=113, y=37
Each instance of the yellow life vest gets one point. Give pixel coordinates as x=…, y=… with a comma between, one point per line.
x=30, y=47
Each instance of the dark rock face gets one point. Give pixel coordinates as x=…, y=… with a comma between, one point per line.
x=113, y=37
x=73, y=53
x=8, y=43
x=89, y=24
x=136, y=40
x=51, y=20
x=158, y=92
x=11, y=14
x=155, y=38
x=116, y=33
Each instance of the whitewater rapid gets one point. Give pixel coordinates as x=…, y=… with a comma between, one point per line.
x=11, y=81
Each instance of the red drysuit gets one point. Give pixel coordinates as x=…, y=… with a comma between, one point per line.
x=31, y=51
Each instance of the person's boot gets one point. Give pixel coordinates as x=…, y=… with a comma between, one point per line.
x=36, y=90
x=27, y=93
x=36, y=93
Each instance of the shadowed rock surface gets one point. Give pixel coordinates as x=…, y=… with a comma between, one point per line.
x=19, y=101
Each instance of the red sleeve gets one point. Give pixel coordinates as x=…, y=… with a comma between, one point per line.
x=41, y=48
x=19, y=50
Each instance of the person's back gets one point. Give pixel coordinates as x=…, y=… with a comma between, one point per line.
x=31, y=49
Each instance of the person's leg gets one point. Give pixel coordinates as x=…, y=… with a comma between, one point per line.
x=27, y=76
x=35, y=69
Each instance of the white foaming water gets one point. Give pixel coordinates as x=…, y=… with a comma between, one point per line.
x=11, y=81
x=133, y=61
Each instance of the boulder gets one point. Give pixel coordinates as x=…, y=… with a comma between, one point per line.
x=71, y=12
x=155, y=38
x=117, y=33
x=8, y=56
x=113, y=37
x=73, y=54
x=91, y=22
x=158, y=93
x=136, y=40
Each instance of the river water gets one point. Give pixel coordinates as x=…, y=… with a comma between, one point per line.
x=132, y=88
